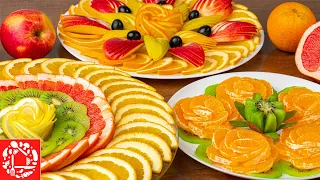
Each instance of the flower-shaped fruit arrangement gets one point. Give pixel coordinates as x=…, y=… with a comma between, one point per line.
x=65, y=104
x=256, y=149
x=162, y=37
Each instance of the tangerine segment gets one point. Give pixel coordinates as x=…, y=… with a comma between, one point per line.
x=304, y=101
x=239, y=89
x=242, y=151
x=300, y=145
x=202, y=115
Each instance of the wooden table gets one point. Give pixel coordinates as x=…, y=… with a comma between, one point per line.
x=269, y=59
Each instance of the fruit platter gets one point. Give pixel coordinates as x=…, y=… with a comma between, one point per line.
x=252, y=125
x=162, y=39
x=94, y=122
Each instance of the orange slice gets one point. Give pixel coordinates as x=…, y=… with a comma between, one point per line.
x=243, y=49
x=210, y=64
x=221, y=57
x=156, y=66
x=191, y=69
x=140, y=61
x=82, y=48
x=234, y=57
x=236, y=6
x=105, y=61
x=249, y=44
x=240, y=13
x=175, y=67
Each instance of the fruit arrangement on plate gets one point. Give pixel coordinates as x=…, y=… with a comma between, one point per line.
x=93, y=121
x=165, y=37
x=243, y=125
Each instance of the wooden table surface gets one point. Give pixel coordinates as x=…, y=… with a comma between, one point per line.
x=269, y=59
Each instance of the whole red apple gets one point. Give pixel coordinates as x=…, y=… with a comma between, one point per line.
x=27, y=33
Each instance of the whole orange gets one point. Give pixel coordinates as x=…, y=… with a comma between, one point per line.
x=287, y=23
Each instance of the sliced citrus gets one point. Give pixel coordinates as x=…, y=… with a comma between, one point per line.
x=143, y=117
x=249, y=20
x=249, y=44
x=82, y=48
x=85, y=70
x=92, y=171
x=121, y=168
x=128, y=91
x=2, y=64
x=175, y=67
x=51, y=66
x=243, y=49
x=234, y=57
x=130, y=69
x=103, y=60
x=221, y=57
x=96, y=54
x=111, y=87
x=72, y=175
x=256, y=40
x=136, y=160
x=68, y=68
x=151, y=139
x=82, y=42
x=238, y=13
x=191, y=69
x=236, y=6
x=83, y=36
x=142, y=108
x=33, y=67
x=95, y=75
x=139, y=98
x=149, y=127
x=140, y=61
x=51, y=175
x=13, y=68
x=113, y=78
x=160, y=64
x=149, y=152
x=210, y=64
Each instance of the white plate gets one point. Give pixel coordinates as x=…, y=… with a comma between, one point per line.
x=278, y=81
x=76, y=53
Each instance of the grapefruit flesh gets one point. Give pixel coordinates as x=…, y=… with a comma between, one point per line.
x=311, y=51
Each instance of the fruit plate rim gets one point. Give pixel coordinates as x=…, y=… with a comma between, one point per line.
x=198, y=88
x=76, y=54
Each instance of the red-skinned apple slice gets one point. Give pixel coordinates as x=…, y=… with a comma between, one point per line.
x=191, y=52
x=213, y=7
x=171, y=2
x=75, y=20
x=118, y=48
x=233, y=31
x=106, y=6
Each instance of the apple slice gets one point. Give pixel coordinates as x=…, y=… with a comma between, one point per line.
x=233, y=31
x=213, y=7
x=119, y=48
x=171, y=2
x=191, y=52
x=106, y=6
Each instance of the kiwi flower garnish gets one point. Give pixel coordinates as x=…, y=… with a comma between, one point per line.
x=29, y=118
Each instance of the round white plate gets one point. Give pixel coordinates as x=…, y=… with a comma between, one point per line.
x=77, y=54
x=278, y=81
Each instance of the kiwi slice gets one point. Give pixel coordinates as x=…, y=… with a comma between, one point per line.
x=30, y=92
x=201, y=153
x=56, y=98
x=192, y=138
x=61, y=140
x=9, y=98
x=289, y=169
x=77, y=117
x=47, y=147
x=274, y=173
x=75, y=129
x=70, y=107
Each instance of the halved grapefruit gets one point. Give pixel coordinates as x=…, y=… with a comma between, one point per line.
x=308, y=52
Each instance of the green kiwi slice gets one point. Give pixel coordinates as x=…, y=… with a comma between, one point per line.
x=9, y=98
x=29, y=93
x=75, y=129
x=202, y=154
x=56, y=98
x=70, y=107
x=192, y=138
x=61, y=141
x=289, y=169
x=47, y=147
x=77, y=117
x=274, y=173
